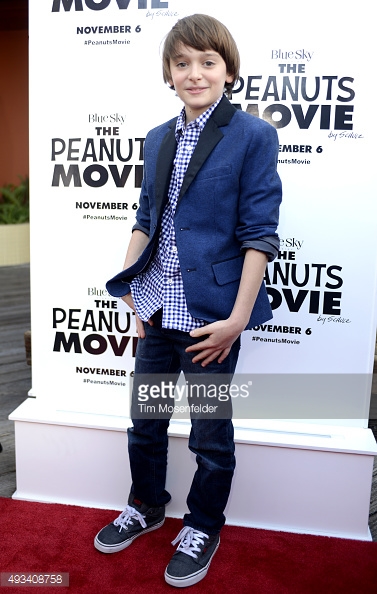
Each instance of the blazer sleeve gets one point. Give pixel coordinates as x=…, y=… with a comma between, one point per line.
x=269, y=245
x=260, y=189
x=143, y=214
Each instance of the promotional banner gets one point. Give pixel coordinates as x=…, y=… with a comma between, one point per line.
x=96, y=89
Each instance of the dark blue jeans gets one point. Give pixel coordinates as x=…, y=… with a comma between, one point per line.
x=162, y=351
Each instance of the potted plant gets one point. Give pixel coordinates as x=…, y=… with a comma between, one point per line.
x=14, y=223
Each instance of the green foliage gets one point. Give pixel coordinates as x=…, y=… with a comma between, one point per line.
x=14, y=203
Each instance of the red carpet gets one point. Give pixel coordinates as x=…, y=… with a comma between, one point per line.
x=53, y=538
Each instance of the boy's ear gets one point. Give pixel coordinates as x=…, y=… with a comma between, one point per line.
x=229, y=78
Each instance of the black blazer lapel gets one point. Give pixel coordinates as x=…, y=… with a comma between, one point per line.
x=164, y=168
x=208, y=139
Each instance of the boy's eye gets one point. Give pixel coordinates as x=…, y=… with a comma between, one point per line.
x=209, y=63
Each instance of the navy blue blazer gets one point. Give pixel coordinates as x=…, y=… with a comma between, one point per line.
x=230, y=196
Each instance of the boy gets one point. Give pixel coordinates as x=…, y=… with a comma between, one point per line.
x=206, y=227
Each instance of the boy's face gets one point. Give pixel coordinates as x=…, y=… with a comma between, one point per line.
x=199, y=78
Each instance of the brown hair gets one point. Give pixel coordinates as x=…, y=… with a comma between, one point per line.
x=202, y=32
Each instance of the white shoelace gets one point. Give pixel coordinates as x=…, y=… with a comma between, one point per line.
x=126, y=518
x=190, y=539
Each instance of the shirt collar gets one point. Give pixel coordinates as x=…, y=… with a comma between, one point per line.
x=199, y=122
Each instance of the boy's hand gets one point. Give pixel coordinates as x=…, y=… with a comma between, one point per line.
x=220, y=337
x=139, y=323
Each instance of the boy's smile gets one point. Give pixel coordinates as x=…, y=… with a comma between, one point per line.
x=199, y=78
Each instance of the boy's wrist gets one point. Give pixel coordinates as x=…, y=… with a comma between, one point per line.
x=127, y=298
x=238, y=323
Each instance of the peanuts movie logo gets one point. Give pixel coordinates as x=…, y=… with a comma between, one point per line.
x=78, y=5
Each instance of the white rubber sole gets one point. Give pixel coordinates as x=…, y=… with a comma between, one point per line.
x=192, y=579
x=123, y=545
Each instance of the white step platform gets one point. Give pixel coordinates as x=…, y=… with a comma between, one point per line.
x=292, y=477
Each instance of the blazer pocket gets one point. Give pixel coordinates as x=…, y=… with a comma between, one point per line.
x=214, y=172
x=228, y=271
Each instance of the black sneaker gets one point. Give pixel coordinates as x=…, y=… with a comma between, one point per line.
x=137, y=518
x=192, y=558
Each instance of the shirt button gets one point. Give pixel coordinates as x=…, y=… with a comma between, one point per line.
x=174, y=248
x=170, y=281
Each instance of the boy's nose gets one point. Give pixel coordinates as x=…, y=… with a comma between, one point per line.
x=195, y=72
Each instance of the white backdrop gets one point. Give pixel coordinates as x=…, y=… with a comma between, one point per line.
x=96, y=89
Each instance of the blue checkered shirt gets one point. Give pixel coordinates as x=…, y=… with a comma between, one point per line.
x=161, y=286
